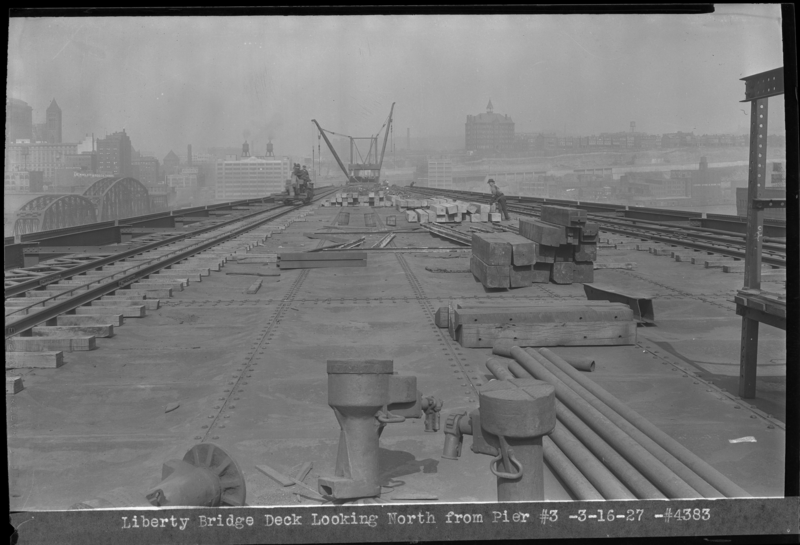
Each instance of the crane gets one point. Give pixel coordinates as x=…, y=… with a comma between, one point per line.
x=361, y=169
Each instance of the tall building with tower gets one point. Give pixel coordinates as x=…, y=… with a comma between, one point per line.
x=489, y=133
x=251, y=177
x=53, y=123
x=114, y=154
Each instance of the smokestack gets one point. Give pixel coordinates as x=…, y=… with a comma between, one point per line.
x=408, y=138
x=189, y=155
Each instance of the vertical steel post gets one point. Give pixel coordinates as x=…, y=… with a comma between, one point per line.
x=748, y=358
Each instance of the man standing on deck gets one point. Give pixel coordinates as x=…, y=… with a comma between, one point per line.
x=499, y=198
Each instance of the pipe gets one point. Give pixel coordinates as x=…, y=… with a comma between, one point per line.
x=597, y=473
x=570, y=475
x=649, y=466
x=581, y=364
x=685, y=473
x=615, y=478
x=689, y=458
x=634, y=454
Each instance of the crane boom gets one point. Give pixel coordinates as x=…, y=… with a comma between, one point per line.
x=333, y=151
x=385, y=138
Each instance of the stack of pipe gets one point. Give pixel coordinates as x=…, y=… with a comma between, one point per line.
x=601, y=448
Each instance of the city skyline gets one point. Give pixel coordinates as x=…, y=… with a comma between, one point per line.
x=216, y=81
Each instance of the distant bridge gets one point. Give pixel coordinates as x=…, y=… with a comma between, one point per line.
x=106, y=199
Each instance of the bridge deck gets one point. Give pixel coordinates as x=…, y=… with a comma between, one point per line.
x=249, y=374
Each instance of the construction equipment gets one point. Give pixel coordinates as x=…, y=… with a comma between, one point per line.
x=368, y=168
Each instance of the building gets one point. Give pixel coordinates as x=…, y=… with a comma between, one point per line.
x=114, y=154
x=146, y=170
x=489, y=133
x=186, y=178
x=19, y=120
x=16, y=181
x=171, y=164
x=53, y=123
x=39, y=157
x=251, y=177
x=440, y=172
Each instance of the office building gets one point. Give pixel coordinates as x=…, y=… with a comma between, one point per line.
x=114, y=154
x=146, y=170
x=489, y=133
x=38, y=157
x=19, y=120
x=440, y=172
x=53, y=123
x=251, y=177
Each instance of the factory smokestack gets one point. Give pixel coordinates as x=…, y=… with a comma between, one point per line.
x=189, y=155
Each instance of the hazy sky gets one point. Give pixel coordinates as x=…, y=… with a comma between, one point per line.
x=209, y=81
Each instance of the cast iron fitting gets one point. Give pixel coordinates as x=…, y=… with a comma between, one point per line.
x=206, y=477
x=385, y=417
x=455, y=427
x=432, y=408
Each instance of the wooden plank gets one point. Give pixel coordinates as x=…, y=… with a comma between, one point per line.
x=491, y=276
x=275, y=475
x=718, y=264
x=562, y=272
x=323, y=264
x=520, y=276
x=550, y=334
x=536, y=315
x=254, y=287
x=322, y=256
x=585, y=251
x=562, y=215
x=537, y=305
x=34, y=360
x=491, y=249
x=542, y=232
x=50, y=344
x=90, y=319
x=630, y=265
x=98, y=330
x=583, y=272
x=128, y=312
x=13, y=385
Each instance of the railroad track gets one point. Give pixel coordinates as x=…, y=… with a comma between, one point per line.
x=731, y=245
x=72, y=285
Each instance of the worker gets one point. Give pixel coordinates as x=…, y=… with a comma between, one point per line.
x=288, y=186
x=499, y=198
x=309, y=185
x=296, y=178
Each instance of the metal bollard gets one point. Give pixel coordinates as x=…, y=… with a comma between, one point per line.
x=359, y=394
x=519, y=412
x=513, y=417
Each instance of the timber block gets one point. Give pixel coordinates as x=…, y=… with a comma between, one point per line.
x=522, y=250
x=98, y=330
x=562, y=215
x=711, y=264
x=520, y=276
x=491, y=249
x=600, y=333
x=13, y=385
x=543, y=253
x=137, y=311
x=90, y=319
x=34, y=360
x=542, y=232
x=495, y=217
x=442, y=317
x=491, y=276
x=562, y=272
x=254, y=287
x=155, y=293
x=157, y=285
x=565, y=252
x=589, y=231
x=585, y=251
x=50, y=344
x=540, y=274
x=583, y=272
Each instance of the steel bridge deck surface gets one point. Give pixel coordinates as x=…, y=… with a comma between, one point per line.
x=249, y=373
